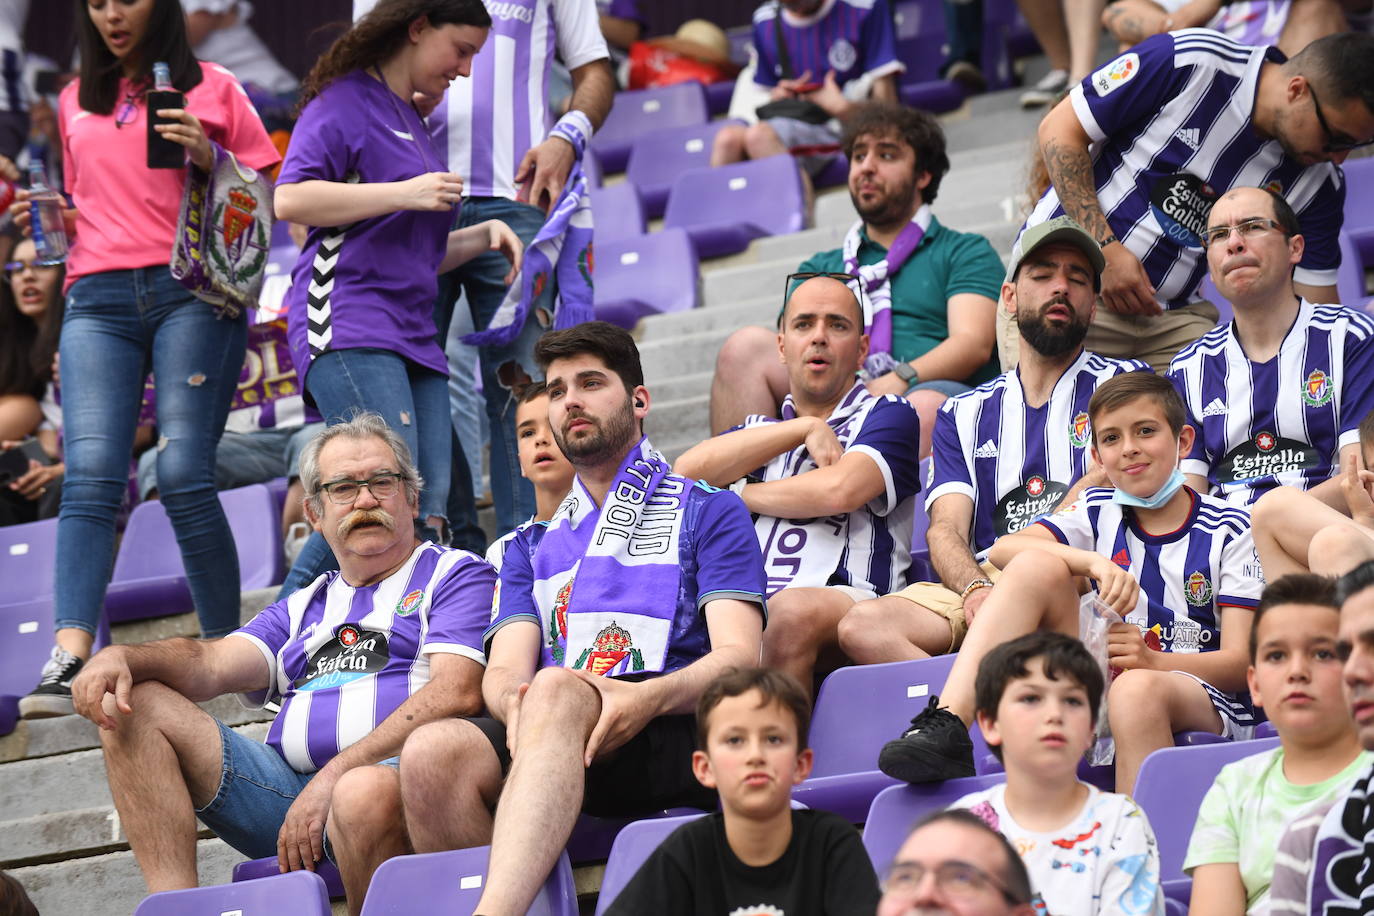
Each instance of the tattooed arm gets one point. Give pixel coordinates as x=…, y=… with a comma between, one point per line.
x=1126, y=288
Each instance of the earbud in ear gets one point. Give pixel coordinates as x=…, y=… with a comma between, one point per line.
x=639, y=402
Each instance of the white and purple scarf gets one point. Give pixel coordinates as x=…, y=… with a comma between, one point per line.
x=607, y=579
x=561, y=250
x=874, y=279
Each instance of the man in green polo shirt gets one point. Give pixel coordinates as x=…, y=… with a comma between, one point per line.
x=929, y=292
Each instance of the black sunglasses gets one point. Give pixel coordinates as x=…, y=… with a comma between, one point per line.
x=794, y=280
x=1332, y=144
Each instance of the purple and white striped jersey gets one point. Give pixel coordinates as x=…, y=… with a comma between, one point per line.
x=489, y=121
x=870, y=548
x=343, y=658
x=854, y=38
x=1283, y=422
x=1186, y=576
x=1014, y=461
x=1172, y=125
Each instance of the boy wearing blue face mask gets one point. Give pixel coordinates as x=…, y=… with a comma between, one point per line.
x=1179, y=567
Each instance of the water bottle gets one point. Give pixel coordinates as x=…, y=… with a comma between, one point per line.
x=163, y=153
x=45, y=210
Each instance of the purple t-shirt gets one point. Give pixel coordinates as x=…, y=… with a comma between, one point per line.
x=851, y=37
x=343, y=659
x=718, y=555
x=371, y=283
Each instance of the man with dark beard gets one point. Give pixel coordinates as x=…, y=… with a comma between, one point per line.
x=610, y=620
x=1003, y=454
x=929, y=293
x=358, y=660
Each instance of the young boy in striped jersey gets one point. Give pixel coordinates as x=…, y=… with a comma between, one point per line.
x=1179, y=568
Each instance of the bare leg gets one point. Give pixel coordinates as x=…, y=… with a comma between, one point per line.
x=76, y=641
x=1084, y=19
x=1046, y=21
x=728, y=145
x=163, y=761
x=556, y=719
x=892, y=629
x=1146, y=708
x=1133, y=21
x=1340, y=547
x=443, y=812
x=801, y=622
x=1309, y=20
x=365, y=827
x=749, y=379
x=294, y=509
x=1284, y=521
x=1035, y=591
x=927, y=404
x=19, y=416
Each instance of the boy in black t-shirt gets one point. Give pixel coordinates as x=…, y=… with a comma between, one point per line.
x=757, y=854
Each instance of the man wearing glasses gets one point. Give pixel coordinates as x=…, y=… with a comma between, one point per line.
x=357, y=660
x=953, y=863
x=1140, y=151
x=831, y=481
x=1277, y=395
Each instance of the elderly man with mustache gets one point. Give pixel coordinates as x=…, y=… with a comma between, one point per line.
x=357, y=660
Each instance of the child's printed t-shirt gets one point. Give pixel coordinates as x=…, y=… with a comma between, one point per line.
x=1105, y=860
x=1246, y=812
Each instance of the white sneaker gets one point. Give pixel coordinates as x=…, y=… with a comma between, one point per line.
x=1048, y=90
x=295, y=539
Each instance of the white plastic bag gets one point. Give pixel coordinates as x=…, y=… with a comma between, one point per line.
x=1095, y=617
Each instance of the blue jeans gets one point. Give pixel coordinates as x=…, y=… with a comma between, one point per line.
x=117, y=326
x=244, y=458
x=414, y=402
x=482, y=279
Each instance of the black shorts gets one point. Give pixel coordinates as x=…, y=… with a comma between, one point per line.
x=653, y=770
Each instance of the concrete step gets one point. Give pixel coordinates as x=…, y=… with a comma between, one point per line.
x=689, y=354
x=762, y=310
x=677, y=425
x=66, y=782
x=111, y=883
x=683, y=386
x=37, y=738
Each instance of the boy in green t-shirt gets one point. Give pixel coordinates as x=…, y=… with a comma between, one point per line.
x=1295, y=675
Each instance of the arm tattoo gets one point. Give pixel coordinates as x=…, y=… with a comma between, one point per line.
x=1071, y=172
x=1125, y=27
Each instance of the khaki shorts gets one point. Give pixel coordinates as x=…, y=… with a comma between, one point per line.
x=946, y=603
x=1156, y=339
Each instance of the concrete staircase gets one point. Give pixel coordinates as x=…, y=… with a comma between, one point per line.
x=59, y=834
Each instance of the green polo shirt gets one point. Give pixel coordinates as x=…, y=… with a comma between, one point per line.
x=945, y=264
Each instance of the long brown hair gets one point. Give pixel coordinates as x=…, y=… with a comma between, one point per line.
x=382, y=33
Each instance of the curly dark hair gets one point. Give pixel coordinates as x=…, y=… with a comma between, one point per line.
x=918, y=129
x=381, y=33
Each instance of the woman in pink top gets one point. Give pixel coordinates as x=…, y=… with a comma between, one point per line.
x=125, y=316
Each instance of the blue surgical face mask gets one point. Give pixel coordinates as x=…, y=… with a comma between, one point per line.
x=1122, y=498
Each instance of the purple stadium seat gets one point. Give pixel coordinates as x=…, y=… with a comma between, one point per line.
x=895, y=809
x=26, y=640
x=591, y=167
x=836, y=172
x=149, y=580
x=726, y=208
x=300, y=893
x=1266, y=730
x=648, y=275
x=1170, y=787
x=256, y=869
x=718, y=96
x=27, y=555
x=278, y=487
x=641, y=111
x=1359, y=205
x=592, y=837
x=450, y=883
x=1351, y=285
x=617, y=213
x=632, y=846
x=657, y=159
x=921, y=85
x=858, y=710
x=1179, y=891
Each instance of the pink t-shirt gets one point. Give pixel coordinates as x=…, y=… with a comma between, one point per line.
x=127, y=212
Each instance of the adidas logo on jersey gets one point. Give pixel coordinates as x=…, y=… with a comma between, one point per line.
x=987, y=450
x=1215, y=409
x=1191, y=136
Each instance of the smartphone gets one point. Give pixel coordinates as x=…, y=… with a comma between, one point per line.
x=14, y=463
x=807, y=87
x=163, y=153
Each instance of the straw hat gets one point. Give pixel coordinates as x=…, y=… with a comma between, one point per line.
x=699, y=39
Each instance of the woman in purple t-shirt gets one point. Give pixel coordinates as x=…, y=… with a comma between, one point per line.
x=362, y=173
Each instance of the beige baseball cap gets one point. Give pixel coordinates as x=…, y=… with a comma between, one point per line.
x=1063, y=230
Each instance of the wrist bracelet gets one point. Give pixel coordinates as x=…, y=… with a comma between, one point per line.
x=974, y=586
x=576, y=128
x=1104, y=242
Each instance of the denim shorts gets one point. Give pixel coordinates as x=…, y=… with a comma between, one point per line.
x=256, y=789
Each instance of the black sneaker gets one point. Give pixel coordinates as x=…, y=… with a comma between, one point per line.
x=53, y=695
x=936, y=747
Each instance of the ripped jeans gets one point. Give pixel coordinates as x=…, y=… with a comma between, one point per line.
x=117, y=326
